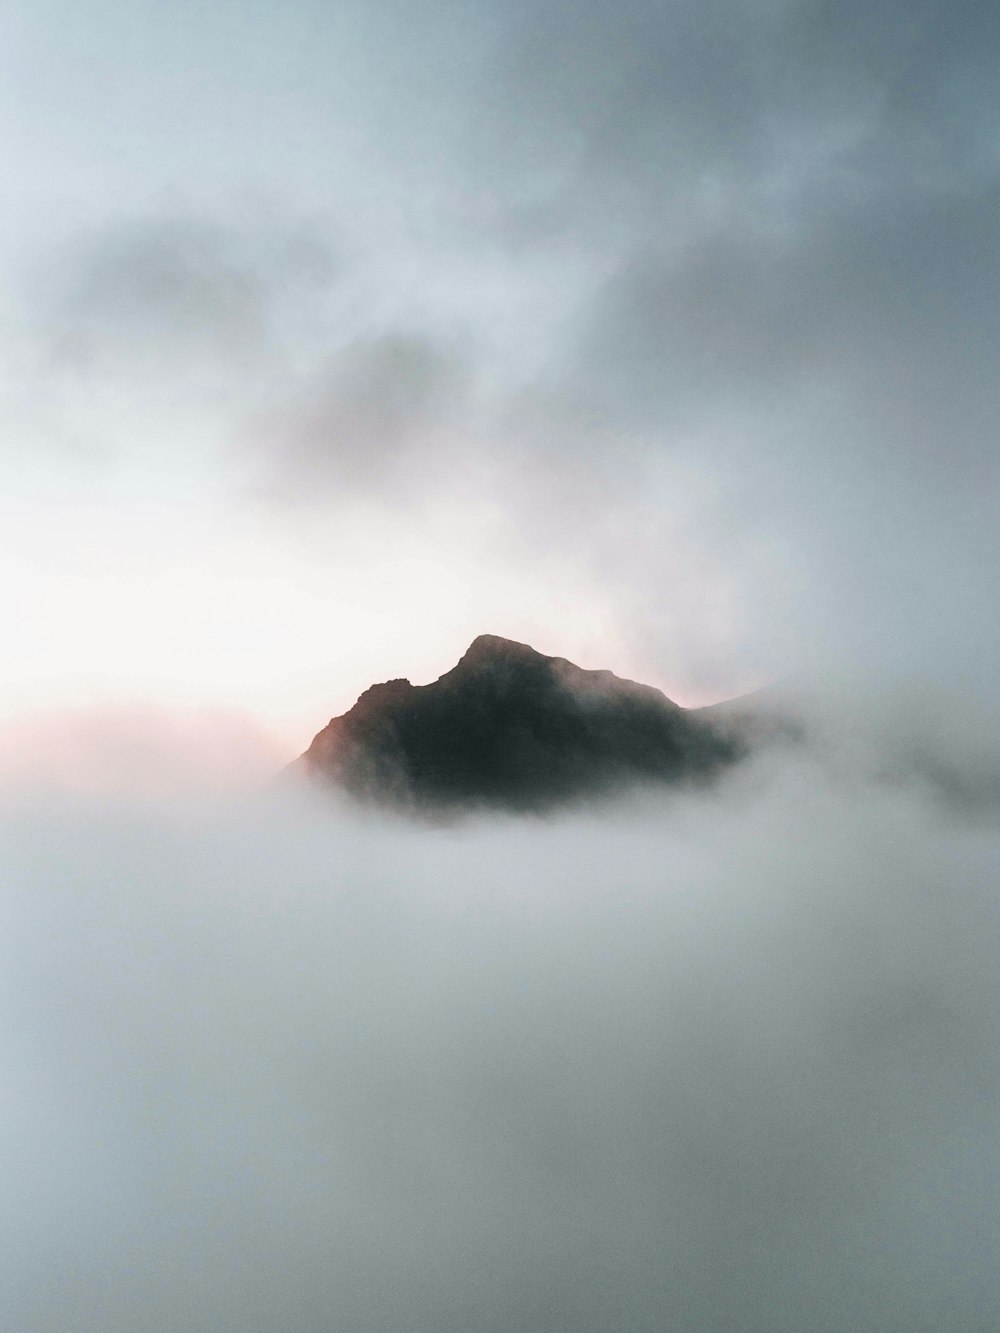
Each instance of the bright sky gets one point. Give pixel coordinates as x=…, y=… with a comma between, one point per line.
x=333, y=336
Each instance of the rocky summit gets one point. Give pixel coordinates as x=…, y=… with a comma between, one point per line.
x=510, y=728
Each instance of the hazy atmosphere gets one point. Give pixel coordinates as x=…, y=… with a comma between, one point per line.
x=661, y=337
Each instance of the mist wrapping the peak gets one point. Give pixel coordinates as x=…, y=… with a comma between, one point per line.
x=661, y=338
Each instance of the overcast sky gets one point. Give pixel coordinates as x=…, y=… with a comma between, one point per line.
x=662, y=336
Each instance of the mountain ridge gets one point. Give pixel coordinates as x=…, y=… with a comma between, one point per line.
x=511, y=728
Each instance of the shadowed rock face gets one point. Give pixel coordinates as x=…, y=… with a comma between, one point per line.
x=510, y=728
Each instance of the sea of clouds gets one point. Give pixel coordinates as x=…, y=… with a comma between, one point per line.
x=693, y=1062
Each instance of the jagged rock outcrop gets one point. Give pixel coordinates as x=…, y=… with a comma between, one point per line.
x=511, y=728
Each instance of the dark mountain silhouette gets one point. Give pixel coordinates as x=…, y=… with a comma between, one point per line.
x=511, y=728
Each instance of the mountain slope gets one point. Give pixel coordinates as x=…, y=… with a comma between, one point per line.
x=511, y=728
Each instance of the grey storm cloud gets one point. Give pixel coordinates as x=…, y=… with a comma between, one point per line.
x=792, y=215
x=181, y=290
x=354, y=422
x=663, y=100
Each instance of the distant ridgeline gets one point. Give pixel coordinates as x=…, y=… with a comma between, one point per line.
x=510, y=728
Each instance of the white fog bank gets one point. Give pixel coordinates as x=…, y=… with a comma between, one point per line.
x=713, y=1063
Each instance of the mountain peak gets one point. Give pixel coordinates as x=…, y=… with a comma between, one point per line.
x=513, y=728
x=492, y=647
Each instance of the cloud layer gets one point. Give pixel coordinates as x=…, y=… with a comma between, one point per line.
x=720, y=1062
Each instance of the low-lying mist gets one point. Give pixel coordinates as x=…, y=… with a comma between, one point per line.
x=691, y=1062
